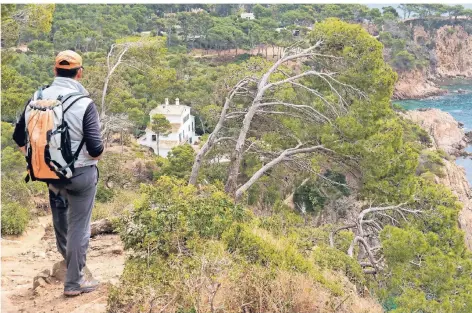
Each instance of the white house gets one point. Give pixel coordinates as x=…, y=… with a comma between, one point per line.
x=248, y=16
x=183, y=128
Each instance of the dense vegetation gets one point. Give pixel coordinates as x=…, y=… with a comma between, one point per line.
x=193, y=248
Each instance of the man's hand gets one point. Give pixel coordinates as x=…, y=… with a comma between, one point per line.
x=98, y=157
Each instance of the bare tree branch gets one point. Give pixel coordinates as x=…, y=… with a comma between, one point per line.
x=271, y=164
x=333, y=233
x=211, y=139
x=305, y=108
x=110, y=73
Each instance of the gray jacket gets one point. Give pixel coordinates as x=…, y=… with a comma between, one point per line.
x=82, y=118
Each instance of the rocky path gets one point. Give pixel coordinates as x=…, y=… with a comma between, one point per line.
x=23, y=258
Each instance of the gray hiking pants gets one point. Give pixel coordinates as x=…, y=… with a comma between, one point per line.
x=71, y=207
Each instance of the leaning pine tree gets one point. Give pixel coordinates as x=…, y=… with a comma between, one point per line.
x=301, y=100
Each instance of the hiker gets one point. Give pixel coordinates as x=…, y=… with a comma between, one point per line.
x=59, y=133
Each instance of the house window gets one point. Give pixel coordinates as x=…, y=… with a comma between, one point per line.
x=193, y=126
x=183, y=133
x=154, y=138
x=189, y=128
x=180, y=137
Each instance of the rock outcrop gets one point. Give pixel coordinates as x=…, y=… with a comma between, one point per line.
x=453, y=52
x=450, y=55
x=415, y=85
x=447, y=135
x=444, y=130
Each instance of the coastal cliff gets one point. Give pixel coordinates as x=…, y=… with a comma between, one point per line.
x=445, y=131
x=415, y=85
x=454, y=52
x=447, y=135
x=448, y=50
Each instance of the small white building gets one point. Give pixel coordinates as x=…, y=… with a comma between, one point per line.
x=248, y=16
x=182, y=124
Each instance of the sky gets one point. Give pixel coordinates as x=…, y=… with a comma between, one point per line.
x=395, y=5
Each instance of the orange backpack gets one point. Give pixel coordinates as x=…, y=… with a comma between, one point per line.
x=49, y=154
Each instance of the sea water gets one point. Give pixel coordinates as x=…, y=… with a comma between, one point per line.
x=459, y=105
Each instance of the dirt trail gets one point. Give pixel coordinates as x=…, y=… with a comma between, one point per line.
x=24, y=257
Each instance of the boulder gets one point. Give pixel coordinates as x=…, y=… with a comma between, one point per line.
x=59, y=271
x=42, y=279
x=442, y=127
x=103, y=226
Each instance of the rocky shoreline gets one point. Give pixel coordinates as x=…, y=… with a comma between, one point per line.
x=448, y=134
x=451, y=57
x=411, y=89
x=415, y=85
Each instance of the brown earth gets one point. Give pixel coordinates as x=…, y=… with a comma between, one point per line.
x=34, y=252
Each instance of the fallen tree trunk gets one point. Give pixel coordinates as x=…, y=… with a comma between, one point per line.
x=103, y=226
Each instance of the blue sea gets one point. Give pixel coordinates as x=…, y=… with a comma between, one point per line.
x=458, y=105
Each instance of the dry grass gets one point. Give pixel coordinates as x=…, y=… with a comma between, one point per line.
x=220, y=285
x=121, y=201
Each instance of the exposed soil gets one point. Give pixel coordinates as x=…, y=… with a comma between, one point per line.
x=25, y=256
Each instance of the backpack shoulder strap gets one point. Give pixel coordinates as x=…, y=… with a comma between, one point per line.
x=39, y=93
x=79, y=148
x=81, y=96
x=68, y=96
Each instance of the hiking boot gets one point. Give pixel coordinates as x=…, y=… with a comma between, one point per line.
x=85, y=286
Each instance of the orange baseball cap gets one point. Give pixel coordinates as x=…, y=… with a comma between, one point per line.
x=68, y=60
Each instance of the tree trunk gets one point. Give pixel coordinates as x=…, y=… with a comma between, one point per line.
x=110, y=72
x=233, y=173
x=270, y=165
x=212, y=138
x=236, y=158
x=104, y=92
x=289, y=200
x=203, y=125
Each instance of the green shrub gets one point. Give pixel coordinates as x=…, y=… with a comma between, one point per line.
x=315, y=194
x=104, y=194
x=450, y=30
x=7, y=134
x=404, y=60
x=169, y=213
x=122, y=200
x=15, y=218
x=282, y=221
x=179, y=162
x=242, y=58
x=334, y=259
x=260, y=247
x=431, y=161
x=397, y=107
